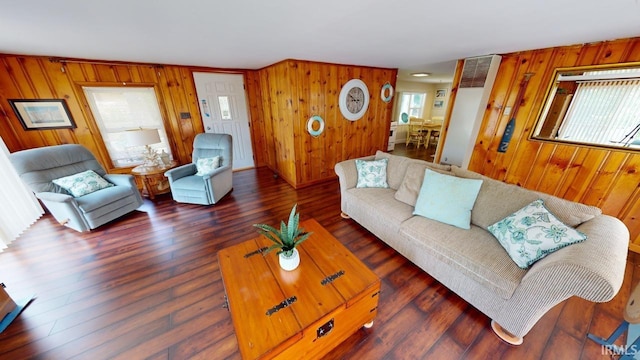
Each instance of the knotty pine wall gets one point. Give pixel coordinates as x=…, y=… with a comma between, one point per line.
x=282, y=98
x=609, y=179
x=33, y=77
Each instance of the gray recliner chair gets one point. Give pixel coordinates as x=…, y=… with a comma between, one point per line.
x=39, y=166
x=208, y=189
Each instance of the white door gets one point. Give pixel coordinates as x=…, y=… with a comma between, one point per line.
x=223, y=107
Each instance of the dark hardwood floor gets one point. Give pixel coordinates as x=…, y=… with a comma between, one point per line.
x=147, y=286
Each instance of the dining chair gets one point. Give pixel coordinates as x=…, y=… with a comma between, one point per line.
x=414, y=132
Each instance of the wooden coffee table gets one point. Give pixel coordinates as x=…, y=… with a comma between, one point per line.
x=302, y=313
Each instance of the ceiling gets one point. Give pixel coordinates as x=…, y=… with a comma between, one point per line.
x=412, y=35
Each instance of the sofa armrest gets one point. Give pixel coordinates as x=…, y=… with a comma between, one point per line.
x=54, y=197
x=64, y=209
x=593, y=269
x=213, y=173
x=121, y=180
x=180, y=172
x=347, y=173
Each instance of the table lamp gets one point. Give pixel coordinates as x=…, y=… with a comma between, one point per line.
x=145, y=137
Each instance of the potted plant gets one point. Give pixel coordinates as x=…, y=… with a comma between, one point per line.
x=285, y=239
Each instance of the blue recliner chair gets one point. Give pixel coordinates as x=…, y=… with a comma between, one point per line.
x=209, y=188
x=39, y=166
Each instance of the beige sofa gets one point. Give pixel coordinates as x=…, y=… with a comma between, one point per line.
x=472, y=262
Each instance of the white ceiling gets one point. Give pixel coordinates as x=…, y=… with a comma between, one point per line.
x=412, y=35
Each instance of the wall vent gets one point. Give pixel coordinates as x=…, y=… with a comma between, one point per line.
x=475, y=71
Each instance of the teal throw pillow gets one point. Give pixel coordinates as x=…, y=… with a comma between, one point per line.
x=372, y=173
x=447, y=198
x=532, y=233
x=82, y=183
x=206, y=165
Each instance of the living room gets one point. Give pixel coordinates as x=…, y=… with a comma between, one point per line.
x=290, y=166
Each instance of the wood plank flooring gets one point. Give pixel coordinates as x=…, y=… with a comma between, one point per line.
x=148, y=286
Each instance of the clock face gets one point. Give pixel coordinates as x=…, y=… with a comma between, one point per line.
x=354, y=99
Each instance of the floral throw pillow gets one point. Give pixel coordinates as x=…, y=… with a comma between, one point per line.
x=206, y=165
x=372, y=173
x=532, y=233
x=82, y=183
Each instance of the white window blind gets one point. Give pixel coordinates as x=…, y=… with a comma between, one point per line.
x=604, y=112
x=24, y=209
x=118, y=109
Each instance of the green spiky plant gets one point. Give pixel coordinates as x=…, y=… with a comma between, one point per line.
x=288, y=237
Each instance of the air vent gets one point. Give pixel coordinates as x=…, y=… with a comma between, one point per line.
x=474, y=72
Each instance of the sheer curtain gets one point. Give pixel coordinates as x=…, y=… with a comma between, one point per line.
x=24, y=209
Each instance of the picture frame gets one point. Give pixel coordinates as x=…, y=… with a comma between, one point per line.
x=438, y=104
x=441, y=93
x=42, y=114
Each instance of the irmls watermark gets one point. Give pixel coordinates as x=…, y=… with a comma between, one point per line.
x=628, y=350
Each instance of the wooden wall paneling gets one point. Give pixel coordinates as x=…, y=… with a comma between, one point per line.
x=296, y=83
x=631, y=217
x=282, y=121
x=256, y=115
x=508, y=161
x=335, y=139
x=606, y=178
x=9, y=125
x=626, y=185
x=64, y=89
x=267, y=112
x=268, y=119
x=172, y=101
x=106, y=73
x=123, y=73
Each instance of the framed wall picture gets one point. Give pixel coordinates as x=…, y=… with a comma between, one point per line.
x=42, y=114
x=438, y=104
x=441, y=93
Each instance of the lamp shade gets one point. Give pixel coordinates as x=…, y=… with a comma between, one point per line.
x=142, y=137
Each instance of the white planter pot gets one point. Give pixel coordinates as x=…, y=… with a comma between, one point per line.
x=289, y=263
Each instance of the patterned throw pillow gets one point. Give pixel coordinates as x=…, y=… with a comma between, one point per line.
x=206, y=165
x=532, y=233
x=372, y=174
x=82, y=183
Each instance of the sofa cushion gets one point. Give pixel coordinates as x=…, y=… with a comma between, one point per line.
x=396, y=167
x=532, y=233
x=474, y=252
x=82, y=183
x=446, y=198
x=372, y=173
x=99, y=199
x=412, y=181
x=497, y=200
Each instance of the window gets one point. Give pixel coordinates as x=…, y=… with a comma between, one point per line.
x=118, y=109
x=593, y=106
x=412, y=104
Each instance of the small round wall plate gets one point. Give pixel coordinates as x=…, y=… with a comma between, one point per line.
x=386, y=93
x=404, y=118
x=310, y=125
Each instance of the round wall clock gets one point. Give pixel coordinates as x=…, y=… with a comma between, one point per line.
x=386, y=93
x=354, y=99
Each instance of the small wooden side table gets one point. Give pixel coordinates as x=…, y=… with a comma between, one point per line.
x=151, y=180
